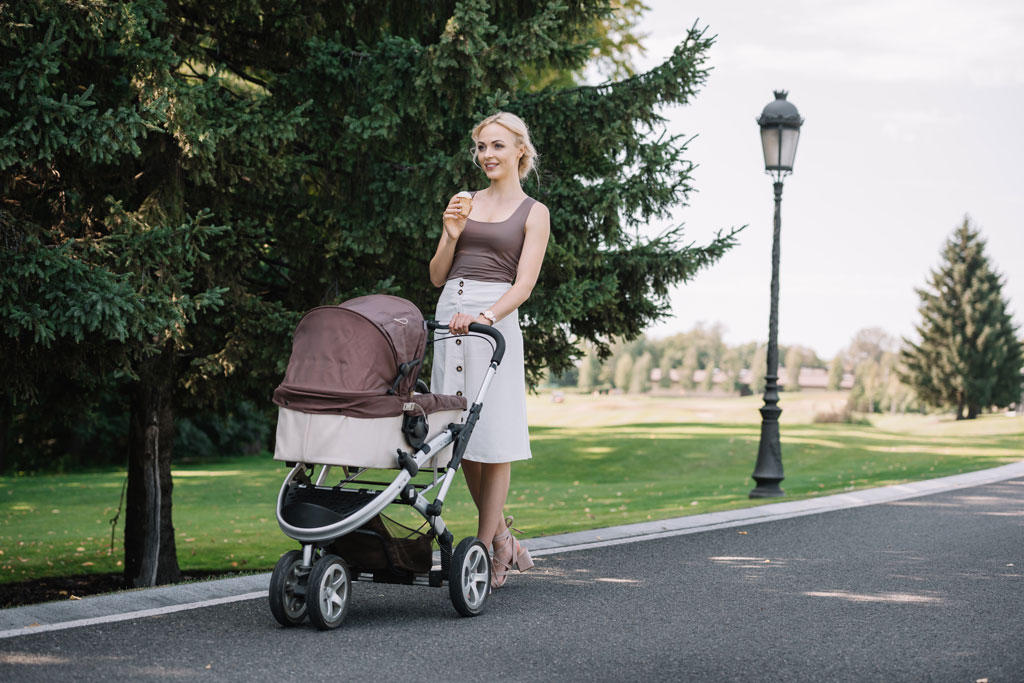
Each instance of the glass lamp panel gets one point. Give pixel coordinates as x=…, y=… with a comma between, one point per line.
x=788, y=147
x=770, y=142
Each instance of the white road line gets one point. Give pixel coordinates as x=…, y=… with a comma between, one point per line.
x=29, y=630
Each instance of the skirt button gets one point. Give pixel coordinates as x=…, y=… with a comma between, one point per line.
x=458, y=393
x=461, y=283
x=458, y=342
x=458, y=368
x=460, y=291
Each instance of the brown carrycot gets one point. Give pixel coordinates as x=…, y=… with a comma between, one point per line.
x=350, y=382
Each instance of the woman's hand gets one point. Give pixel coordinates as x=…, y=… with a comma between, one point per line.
x=459, y=323
x=454, y=221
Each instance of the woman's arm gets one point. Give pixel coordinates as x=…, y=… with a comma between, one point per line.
x=442, y=261
x=454, y=223
x=538, y=229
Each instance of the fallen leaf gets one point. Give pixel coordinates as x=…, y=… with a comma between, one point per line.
x=79, y=549
x=209, y=666
x=742, y=533
x=767, y=561
x=74, y=597
x=34, y=624
x=87, y=564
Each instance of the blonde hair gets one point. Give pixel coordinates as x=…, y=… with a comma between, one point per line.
x=516, y=126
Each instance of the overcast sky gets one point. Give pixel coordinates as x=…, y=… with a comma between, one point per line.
x=914, y=118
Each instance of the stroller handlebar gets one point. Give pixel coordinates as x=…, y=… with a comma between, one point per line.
x=478, y=328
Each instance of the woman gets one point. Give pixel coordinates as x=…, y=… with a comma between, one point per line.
x=488, y=264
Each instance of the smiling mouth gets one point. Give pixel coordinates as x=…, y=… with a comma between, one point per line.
x=490, y=166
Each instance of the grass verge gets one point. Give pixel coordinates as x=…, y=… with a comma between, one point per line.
x=598, y=461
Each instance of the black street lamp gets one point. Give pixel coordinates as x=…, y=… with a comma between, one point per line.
x=780, y=129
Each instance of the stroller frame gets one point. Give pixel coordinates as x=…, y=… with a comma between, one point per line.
x=314, y=583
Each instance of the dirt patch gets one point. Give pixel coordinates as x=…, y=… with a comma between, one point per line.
x=58, y=588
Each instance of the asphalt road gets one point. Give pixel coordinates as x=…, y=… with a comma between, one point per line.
x=927, y=589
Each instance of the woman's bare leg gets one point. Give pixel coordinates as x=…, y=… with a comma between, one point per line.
x=494, y=483
x=488, y=485
x=473, y=470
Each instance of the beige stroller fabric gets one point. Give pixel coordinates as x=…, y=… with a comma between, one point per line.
x=352, y=441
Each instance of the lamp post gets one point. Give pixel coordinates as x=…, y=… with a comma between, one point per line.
x=780, y=129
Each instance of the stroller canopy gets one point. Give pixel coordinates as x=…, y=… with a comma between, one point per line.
x=345, y=360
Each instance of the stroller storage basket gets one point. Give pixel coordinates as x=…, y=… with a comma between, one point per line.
x=308, y=506
x=375, y=548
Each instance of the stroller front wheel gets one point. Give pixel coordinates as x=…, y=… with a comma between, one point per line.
x=287, y=598
x=469, y=578
x=328, y=592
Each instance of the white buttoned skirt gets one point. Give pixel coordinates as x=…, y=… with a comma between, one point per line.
x=460, y=363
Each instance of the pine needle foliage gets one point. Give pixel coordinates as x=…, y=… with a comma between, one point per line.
x=180, y=181
x=969, y=356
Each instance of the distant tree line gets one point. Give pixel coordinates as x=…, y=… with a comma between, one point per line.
x=698, y=360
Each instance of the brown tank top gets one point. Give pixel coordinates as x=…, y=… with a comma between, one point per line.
x=490, y=251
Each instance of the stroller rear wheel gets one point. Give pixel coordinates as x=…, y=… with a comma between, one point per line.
x=469, y=578
x=287, y=598
x=328, y=592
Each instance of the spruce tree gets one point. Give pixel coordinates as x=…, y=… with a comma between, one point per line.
x=138, y=177
x=968, y=356
x=182, y=180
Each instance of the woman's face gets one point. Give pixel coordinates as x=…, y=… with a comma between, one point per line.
x=496, y=152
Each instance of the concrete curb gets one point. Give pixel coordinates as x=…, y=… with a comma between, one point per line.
x=136, y=604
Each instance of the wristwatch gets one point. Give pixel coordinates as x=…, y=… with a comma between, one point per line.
x=490, y=316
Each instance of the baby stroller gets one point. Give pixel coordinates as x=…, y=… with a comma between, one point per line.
x=351, y=400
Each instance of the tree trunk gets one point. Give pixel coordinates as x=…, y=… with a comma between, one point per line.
x=150, y=555
x=973, y=411
x=5, y=434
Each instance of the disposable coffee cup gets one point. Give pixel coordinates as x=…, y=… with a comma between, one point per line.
x=465, y=203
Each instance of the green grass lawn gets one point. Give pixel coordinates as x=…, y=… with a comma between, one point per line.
x=598, y=461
